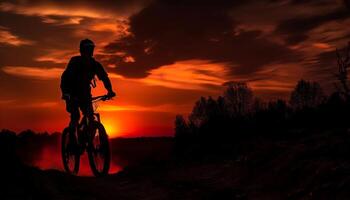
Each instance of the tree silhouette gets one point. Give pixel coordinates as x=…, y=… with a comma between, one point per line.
x=198, y=115
x=181, y=127
x=181, y=134
x=238, y=98
x=306, y=95
x=259, y=105
x=342, y=75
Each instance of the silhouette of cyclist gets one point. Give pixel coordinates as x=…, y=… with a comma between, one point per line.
x=76, y=83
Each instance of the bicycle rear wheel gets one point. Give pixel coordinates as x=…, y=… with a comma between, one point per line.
x=70, y=153
x=98, y=150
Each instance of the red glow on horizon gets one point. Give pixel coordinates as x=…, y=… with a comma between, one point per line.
x=50, y=158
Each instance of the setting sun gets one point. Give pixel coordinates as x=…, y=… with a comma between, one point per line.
x=111, y=128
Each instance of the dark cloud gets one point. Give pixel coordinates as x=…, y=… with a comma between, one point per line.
x=33, y=28
x=295, y=30
x=347, y=3
x=169, y=31
x=53, y=33
x=313, y=2
x=325, y=65
x=44, y=36
x=10, y=56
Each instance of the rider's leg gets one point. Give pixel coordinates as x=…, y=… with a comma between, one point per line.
x=87, y=110
x=73, y=108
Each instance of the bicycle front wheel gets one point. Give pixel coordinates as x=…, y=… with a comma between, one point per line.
x=98, y=150
x=70, y=155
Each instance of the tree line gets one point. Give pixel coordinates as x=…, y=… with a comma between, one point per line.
x=237, y=113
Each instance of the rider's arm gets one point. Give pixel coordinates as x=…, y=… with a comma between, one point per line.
x=103, y=76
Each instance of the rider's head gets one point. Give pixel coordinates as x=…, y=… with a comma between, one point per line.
x=87, y=48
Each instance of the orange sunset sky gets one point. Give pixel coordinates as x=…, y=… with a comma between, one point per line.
x=161, y=55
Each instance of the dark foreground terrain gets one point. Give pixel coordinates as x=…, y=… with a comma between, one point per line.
x=297, y=165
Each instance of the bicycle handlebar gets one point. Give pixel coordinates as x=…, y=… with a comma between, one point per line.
x=102, y=98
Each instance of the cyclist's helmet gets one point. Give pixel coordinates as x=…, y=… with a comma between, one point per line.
x=86, y=43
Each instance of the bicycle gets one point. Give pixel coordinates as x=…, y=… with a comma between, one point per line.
x=91, y=137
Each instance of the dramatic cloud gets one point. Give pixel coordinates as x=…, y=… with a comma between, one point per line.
x=93, y=9
x=57, y=56
x=56, y=27
x=47, y=10
x=189, y=75
x=6, y=37
x=296, y=29
x=33, y=72
x=168, y=31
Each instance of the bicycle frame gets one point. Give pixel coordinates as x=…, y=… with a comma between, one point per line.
x=94, y=100
x=84, y=123
x=96, y=115
x=94, y=143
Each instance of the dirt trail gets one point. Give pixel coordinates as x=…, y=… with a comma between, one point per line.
x=308, y=167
